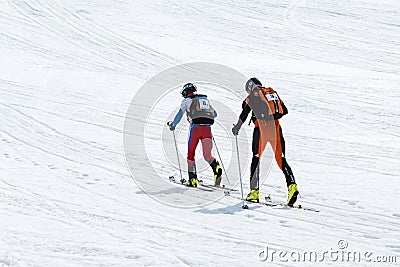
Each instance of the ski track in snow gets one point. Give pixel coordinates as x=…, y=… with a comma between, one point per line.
x=71, y=68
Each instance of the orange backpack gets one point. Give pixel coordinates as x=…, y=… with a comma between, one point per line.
x=276, y=107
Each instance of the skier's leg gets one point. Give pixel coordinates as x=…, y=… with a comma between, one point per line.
x=279, y=149
x=206, y=143
x=254, y=194
x=254, y=167
x=261, y=135
x=194, y=137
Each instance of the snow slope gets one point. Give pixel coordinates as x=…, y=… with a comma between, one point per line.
x=69, y=70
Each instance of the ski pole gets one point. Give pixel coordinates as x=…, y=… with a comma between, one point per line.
x=240, y=174
x=222, y=164
x=177, y=154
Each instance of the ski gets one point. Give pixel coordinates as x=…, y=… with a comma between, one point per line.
x=227, y=192
x=278, y=204
x=222, y=187
x=183, y=183
x=300, y=207
x=268, y=202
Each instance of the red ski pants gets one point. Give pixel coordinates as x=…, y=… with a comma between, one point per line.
x=199, y=133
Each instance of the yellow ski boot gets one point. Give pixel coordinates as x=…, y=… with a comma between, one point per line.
x=253, y=196
x=292, y=194
x=192, y=182
x=217, y=175
x=217, y=172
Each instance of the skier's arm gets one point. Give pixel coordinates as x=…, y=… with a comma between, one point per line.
x=177, y=118
x=180, y=114
x=242, y=117
x=245, y=112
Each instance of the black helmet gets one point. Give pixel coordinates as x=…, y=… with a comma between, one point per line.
x=188, y=89
x=251, y=84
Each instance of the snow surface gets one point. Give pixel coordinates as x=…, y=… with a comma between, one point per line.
x=69, y=70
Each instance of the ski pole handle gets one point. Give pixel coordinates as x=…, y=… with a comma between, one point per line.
x=171, y=127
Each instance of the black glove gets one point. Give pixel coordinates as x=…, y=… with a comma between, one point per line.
x=170, y=126
x=236, y=127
